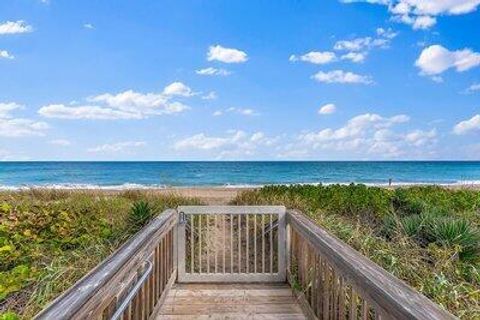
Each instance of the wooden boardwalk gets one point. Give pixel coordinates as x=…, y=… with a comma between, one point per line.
x=231, y=301
x=180, y=266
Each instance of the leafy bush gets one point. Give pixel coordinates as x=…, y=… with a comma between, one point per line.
x=456, y=232
x=140, y=213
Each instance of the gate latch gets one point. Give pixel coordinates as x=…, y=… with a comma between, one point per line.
x=182, y=218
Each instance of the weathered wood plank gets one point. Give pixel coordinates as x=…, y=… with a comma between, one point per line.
x=231, y=301
x=232, y=209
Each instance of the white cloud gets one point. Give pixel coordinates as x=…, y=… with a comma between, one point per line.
x=60, y=142
x=7, y=107
x=463, y=127
x=327, y=109
x=241, y=111
x=420, y=14
x=61, y=111
x=369, y=135
x=420, y=138
x=473, y=88
x=233, y=144
x=315, y=57
x=124, y=105
x=88, y=26
x=436, y=59
x=360, y=44
x=178, y=89
x=358, y=48
x=4, y=54
x=18, y=127
x=355, y=127
x=423, y=22
x=226, y=55
x=210, y=71
x=119, y=147
x=386, y=33
x=438, y=7
x=340, y=76
x=354, y=56
x=15, y=27
x=212, y=95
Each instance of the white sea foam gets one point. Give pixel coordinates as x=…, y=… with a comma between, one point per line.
x=136, y=186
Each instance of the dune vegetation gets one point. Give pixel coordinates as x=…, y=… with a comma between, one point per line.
x=427, y=236
x=49, y=239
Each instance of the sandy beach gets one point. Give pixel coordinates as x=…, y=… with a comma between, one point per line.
x=208, y=195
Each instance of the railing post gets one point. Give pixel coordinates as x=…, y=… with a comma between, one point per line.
x=288, y=252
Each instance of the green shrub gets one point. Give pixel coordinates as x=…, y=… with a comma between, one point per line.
x=140, y=213
x=456, y=232
x=9, y=316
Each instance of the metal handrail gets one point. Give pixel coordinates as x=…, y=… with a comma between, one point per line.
x=131, y=294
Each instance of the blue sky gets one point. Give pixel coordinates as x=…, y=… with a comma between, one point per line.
x=239, y=80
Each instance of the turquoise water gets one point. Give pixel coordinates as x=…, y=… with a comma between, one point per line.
x=164, y=174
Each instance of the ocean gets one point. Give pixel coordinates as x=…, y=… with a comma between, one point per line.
x=125, y=175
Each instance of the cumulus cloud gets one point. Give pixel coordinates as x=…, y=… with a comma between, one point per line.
x=466, y=126
x=210, y=71
x=329, y=108
x=420, y=138
x=7, y=107
x=356, y=57
x=212, y=95
x=119, y=147
x=178, y=89
x=436, y=59
x=18, y=127
x=315, y=57
x=226, y=55
x=241, y=111
x=473, y=88
x=4, y=54
x=124, y=105
x=340, y=76
x=15, y=27
x=235, y=143
x=88, y=26
x=367, y=135
x=421, y=14
x=360, y=44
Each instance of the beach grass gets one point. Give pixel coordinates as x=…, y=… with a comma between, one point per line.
x=427, y=236
x=51, y=238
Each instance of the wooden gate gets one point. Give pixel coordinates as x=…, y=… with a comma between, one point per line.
x=231, y=244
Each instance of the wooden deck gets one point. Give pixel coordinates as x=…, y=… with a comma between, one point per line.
x=230, y=301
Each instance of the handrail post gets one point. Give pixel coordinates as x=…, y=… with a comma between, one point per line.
x=288, y=252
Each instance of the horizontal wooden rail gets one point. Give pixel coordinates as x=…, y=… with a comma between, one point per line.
x=102, y=291
x=337, y=282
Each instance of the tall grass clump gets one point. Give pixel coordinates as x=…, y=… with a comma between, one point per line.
x=427, y=236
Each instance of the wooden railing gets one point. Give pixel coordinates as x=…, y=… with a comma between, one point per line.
x=130, y=284
x=337, y=282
